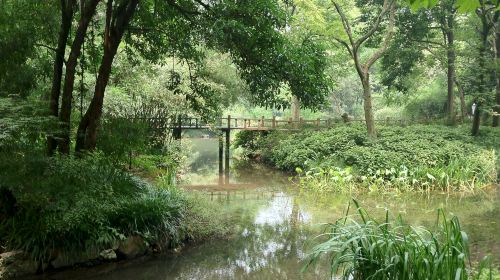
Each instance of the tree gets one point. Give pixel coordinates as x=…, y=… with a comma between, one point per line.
x=496, y=117
x=67, y=11
x=446, y=17
x=88, y=10
x=25, y=45
x=353, y=47
x=249, y=31
x=488, y=16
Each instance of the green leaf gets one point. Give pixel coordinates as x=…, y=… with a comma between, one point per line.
x=465, y=6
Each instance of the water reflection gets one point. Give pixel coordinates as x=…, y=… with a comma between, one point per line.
x=269, y=245
x=281, y=209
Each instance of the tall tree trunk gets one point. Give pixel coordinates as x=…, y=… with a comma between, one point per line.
x=367, y=105
x=66, y=18
x=69, y=80
x=295, y=108
x=450, y=54
x=116, y=22
x=463, y=106
x=496, y=117
x=482, y=71
x=476, y=120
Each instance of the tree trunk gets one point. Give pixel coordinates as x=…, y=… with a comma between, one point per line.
x=496, y=117
x=450, y=53
x=116, y=23
x=295, y=108
x=476, y=120
x=69, y=79
x=463, y=106
x=66, y=18
x=484, y=31
x=367, y=104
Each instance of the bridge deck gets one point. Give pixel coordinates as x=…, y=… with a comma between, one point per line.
x=257, y=124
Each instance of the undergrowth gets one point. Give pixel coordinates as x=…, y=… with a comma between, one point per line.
x=70, y=205
x=414, y=157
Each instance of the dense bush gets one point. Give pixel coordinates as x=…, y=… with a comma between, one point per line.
x=73, y=205
x=426, y=154
x=132, y=136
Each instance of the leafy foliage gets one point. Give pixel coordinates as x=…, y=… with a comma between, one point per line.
x=414, y=157
x=361, y=247
x=78, y=205
x=132, y=136
x=24, y=29
x=23, y=123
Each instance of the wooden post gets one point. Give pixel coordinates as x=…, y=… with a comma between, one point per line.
x=228, y=142
x=221, y=152
x=262, y=121
x=274, y=122
x=196, y=122
x=345, y=117
x=317, y=122
x=178, y=130
x=245, y=123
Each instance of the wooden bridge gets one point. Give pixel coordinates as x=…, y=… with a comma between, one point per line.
x=179, y=123
x=232, y=123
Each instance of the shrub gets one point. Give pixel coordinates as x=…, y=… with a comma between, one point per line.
x=131, y=134
x=73, y=205
x=361, y=247
x=428, y=155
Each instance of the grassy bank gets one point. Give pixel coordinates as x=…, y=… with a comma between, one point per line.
x=413, y=157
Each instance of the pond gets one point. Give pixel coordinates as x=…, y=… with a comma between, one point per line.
x=275, y=225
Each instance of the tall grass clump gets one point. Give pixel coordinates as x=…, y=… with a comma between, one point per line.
x=361, y=247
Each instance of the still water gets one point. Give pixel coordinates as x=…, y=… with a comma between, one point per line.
x=275, y=225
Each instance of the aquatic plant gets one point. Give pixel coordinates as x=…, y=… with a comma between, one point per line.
x=360, y=247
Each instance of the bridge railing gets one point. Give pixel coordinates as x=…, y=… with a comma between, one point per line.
x=263, y=123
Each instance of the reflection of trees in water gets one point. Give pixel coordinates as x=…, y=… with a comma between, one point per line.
x=269, y=247
x=273, y=228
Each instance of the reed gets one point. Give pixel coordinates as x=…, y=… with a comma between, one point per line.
x=360, y=247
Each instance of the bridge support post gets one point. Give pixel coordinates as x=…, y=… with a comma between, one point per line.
x=178, y=130
x=226, y=171
x=221, y=152
x=228, y=143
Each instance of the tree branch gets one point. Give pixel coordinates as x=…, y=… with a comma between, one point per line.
x=387, y=39
x=347, y=26
x=181, y=9
x=45, y=46
x=344, y=43
x=429, y=42
x=387, y=6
